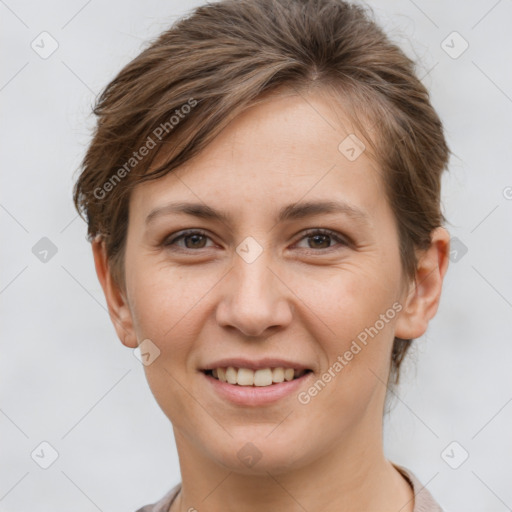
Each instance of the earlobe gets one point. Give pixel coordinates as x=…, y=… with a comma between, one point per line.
x=422, y=300
x=118, y=306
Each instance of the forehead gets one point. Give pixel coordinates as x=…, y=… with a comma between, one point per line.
x=282, y=149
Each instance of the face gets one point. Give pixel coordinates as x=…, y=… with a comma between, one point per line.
x=280, y=276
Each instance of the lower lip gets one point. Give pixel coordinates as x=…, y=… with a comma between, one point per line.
x=255, y=395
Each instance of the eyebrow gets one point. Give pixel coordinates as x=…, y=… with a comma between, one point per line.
x=294, y=211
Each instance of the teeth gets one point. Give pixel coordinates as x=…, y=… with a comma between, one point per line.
x=245, y=377
x=261, y=377
x=231, y=375
x=221, y=372
x=278, y=375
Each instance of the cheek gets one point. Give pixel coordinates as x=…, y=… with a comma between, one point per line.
x=357, y=309
x=348, y=298
x=170, y=305
x=167, y=309
x=359, y=313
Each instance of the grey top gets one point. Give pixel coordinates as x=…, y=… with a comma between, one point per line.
x=423, y=500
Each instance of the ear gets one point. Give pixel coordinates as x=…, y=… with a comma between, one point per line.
x=118, y=307
x=422, y=299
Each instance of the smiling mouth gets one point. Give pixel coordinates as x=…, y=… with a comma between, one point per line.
x=255, y=378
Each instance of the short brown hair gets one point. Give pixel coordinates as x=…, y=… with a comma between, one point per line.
x=223, y=57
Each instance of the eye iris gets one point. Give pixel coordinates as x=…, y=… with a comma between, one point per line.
x=195, y=237
x=325, y=238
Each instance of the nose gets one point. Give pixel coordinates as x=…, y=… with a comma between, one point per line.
x=254, y=298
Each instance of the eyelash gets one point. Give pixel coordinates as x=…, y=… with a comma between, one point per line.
x=308, y=234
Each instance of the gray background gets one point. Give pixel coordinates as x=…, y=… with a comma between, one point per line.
x=67, y=380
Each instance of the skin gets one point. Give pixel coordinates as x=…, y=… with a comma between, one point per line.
x=304, y=298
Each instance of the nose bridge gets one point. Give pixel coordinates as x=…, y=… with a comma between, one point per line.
x=253, y=298
x=254, y=279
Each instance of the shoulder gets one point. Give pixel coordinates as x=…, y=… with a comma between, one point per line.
x=163, y=504
x=423, y=500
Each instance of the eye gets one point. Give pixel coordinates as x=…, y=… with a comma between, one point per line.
x=321, y=239
x=193, y=239
x=197, y=239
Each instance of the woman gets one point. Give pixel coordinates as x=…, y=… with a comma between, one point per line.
x=262, y=195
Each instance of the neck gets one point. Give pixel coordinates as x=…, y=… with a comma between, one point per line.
x=351, y=476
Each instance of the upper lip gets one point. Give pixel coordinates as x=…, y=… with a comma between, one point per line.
x=240, y=362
